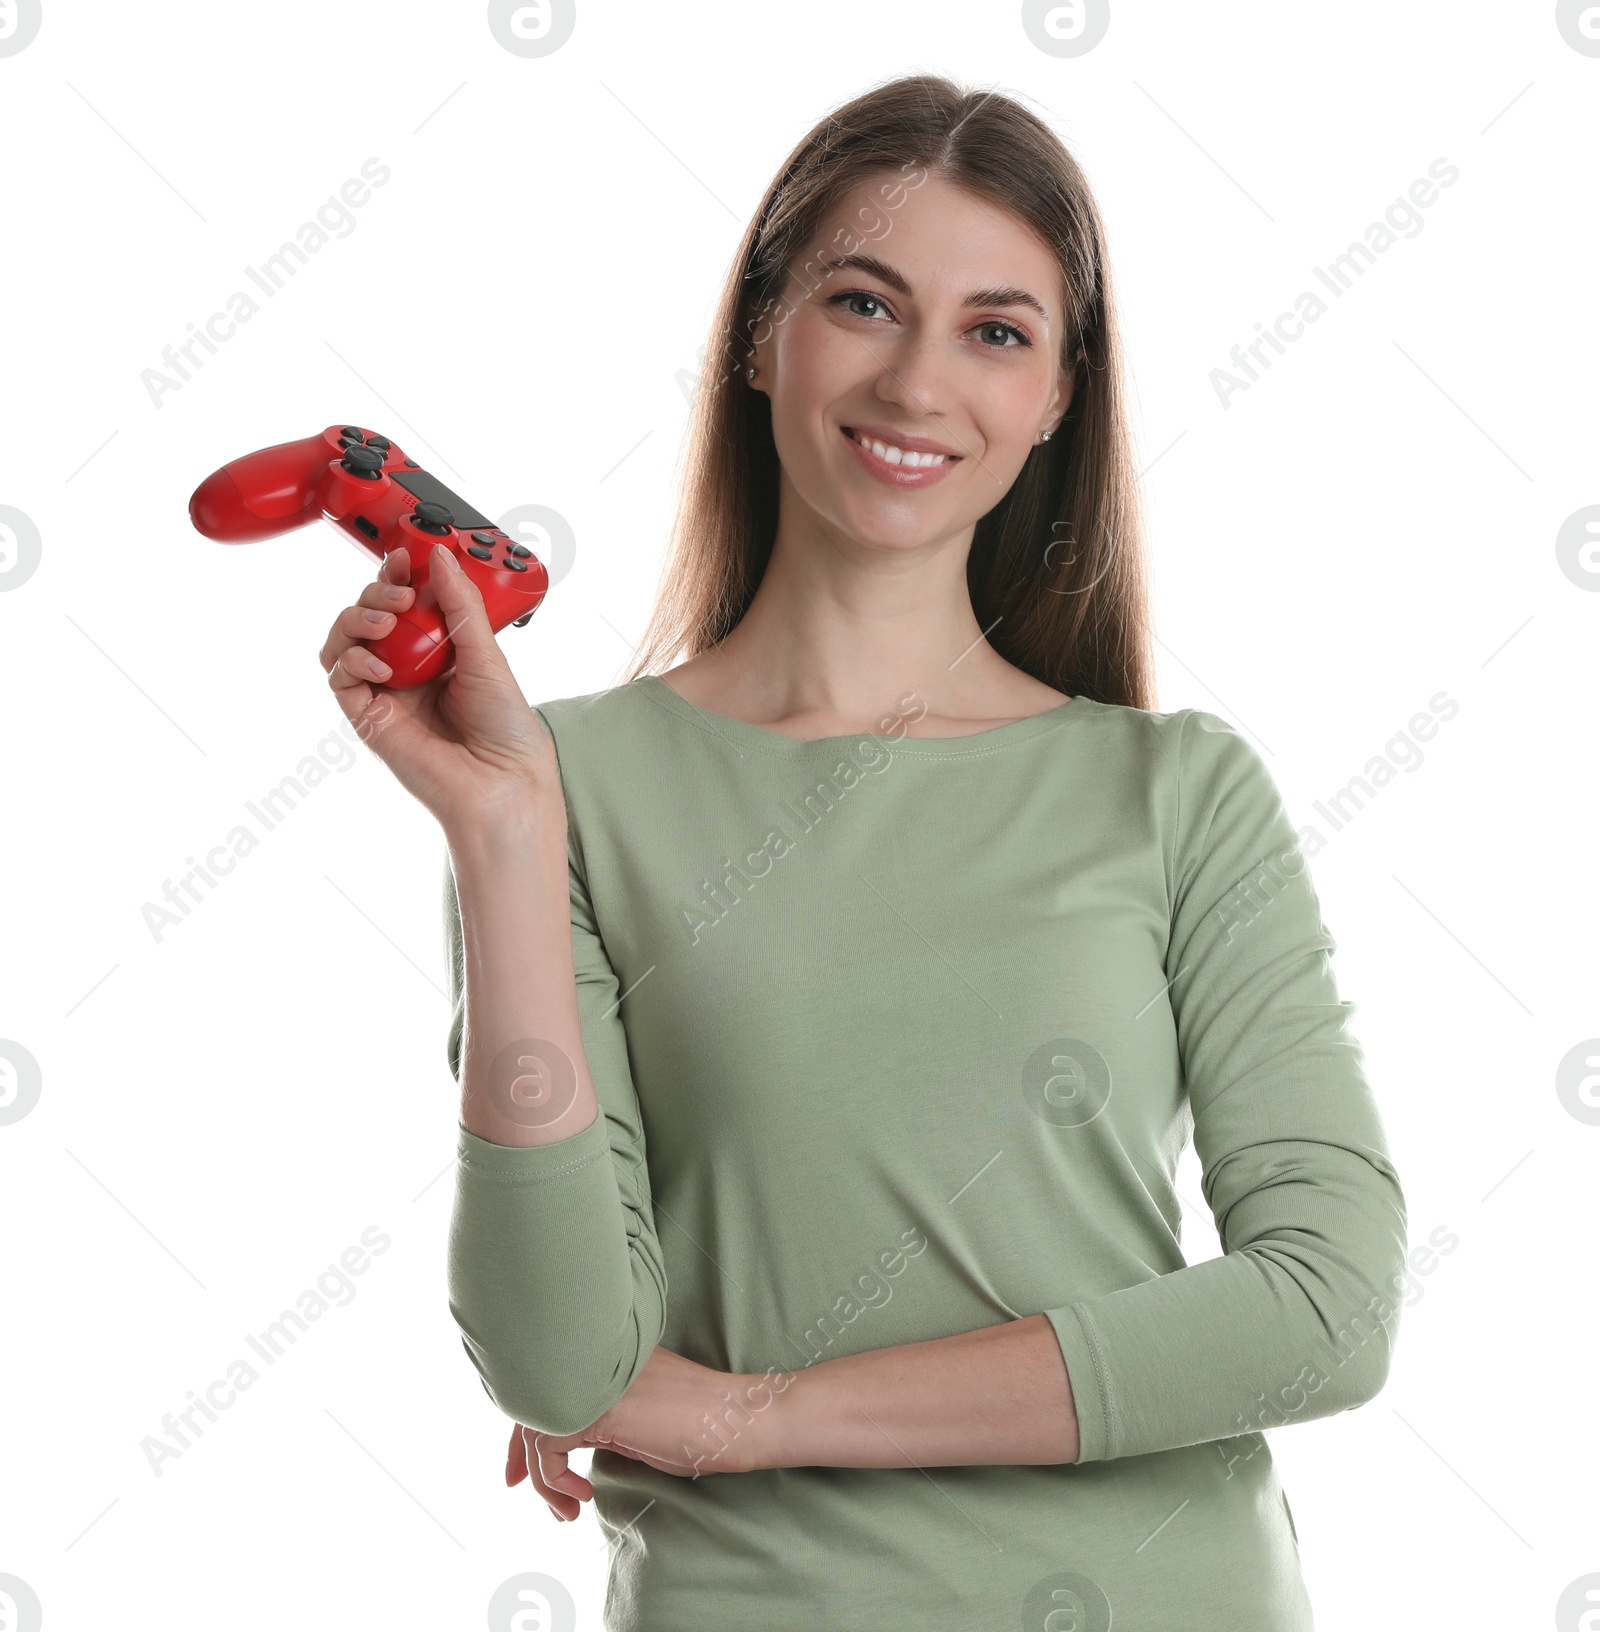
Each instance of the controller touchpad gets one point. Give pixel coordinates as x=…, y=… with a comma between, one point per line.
x=431, y=489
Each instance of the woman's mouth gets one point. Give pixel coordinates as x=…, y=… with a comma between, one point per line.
x=897, y=466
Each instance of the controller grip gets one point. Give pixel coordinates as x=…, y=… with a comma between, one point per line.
x=263, y=494
x=417, y=648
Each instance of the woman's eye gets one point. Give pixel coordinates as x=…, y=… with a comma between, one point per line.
x=855, y=295
x=851, y=297
x=1005, y=328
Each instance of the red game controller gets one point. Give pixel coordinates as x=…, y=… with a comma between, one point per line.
x=365, y=485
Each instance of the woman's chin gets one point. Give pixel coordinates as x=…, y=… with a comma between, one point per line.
x=909, y=534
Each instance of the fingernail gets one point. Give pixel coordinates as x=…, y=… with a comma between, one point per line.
x=449, y=557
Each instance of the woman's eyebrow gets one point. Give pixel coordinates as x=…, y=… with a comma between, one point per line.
x=1004, y=295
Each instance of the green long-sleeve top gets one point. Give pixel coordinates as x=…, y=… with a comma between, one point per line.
x=896, y=1038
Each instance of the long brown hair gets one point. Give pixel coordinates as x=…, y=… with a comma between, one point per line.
x=1056, y=571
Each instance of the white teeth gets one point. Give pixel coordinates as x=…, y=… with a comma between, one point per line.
x=898, y=456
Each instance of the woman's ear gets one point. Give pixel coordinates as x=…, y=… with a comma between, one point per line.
x=1065, y=388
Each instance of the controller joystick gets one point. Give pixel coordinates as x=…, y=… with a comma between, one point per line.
x=382, y=501
x=434, y=518
x=366, y=463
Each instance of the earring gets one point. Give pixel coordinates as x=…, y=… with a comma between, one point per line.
x=750, y=373
x=1046, y=436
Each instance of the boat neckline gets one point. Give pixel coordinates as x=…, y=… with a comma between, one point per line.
x=777, y=742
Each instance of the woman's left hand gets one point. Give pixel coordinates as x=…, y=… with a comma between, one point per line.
x=659, y=1421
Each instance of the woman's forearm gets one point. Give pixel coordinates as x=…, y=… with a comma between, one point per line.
x=997, y=1395
x=524, y=1076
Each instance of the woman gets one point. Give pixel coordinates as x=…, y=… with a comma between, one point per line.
x=832, y=1008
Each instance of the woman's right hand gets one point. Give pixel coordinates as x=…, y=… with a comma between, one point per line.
x=466, y=744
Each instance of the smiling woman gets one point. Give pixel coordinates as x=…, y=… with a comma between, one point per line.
x=928, y=275
x=671, y=1155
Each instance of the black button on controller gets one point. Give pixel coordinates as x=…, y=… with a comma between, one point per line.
x=483, y=538
x=521, y=551
x=514, y=564
x=350, y=430
x=379, y=442
x=479, y=551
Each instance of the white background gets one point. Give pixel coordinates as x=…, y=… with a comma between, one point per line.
x=225, y=1110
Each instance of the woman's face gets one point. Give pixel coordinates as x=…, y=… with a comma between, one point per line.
x=940, y=333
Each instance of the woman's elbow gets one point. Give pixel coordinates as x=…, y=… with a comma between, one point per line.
x=552, y=1399
x=1360, y=1343
x=547, y=1410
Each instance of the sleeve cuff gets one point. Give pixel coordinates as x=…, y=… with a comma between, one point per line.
x=1086, y=1372
x=533, y=1164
